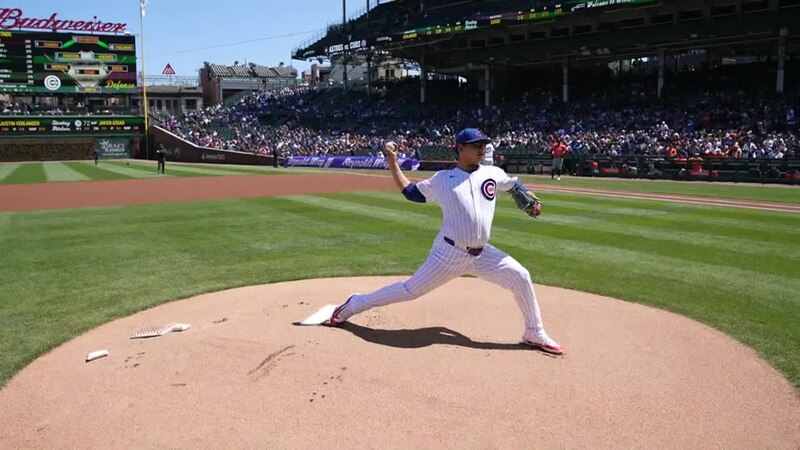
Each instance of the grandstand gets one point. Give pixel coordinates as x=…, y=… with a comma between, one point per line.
x=685, y=90
x=501, y=45
x=219, y=82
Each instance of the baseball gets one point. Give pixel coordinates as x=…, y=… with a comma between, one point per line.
x=391, y=146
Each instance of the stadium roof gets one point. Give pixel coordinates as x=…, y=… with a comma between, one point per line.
x=453, y=35
x=250, y=70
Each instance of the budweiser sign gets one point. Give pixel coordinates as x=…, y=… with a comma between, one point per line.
x=11, y=18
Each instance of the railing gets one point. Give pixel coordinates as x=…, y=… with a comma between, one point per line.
x=784, y=171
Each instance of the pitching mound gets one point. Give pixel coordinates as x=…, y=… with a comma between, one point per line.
x=442, y=371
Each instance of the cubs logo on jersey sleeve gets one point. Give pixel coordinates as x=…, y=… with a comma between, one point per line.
x=488, y=189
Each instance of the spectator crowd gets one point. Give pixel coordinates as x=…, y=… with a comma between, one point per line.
x=307, y=121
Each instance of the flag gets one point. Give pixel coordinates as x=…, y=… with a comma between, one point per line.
x=142, y=5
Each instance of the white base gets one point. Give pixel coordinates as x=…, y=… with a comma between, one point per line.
x=321, y=316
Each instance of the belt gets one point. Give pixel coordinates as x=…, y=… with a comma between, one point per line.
x=474, y=251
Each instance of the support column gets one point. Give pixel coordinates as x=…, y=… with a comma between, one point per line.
x=487, y=94
x=369, y=72
x=781, y=61
x=661, y=62
x=423, y=79
x=346, y=40
x=565, y=86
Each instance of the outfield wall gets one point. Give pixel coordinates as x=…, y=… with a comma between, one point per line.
x=67, y=148
x=181, y=150
x=781, y=171
x=61, y=138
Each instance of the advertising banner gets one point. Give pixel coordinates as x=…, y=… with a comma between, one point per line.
x=347, y=162
x=113, y=148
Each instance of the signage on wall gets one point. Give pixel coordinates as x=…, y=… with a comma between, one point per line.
x=13, y=18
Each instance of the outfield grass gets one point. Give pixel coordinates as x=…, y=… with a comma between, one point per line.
x=27, y=173
x=16, y=173
x=64, y=272
x=759, y=192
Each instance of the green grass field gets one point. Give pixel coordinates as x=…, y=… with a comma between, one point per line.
x=25, y=173
x=64, y=272
x=742, y=191
x=18, y=173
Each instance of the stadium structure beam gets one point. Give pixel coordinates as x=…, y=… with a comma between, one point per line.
x=781, y=60
x=423, y=77
x=661, y=56
x=487, y=95
x=565, y=76
x=344, y=35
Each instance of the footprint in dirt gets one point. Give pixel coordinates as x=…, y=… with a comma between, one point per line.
x=332, y=379
x=138, y=356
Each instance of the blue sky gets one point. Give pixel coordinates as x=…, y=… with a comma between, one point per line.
x=179, y=32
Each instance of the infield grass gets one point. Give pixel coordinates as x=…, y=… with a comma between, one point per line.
x=64, y=272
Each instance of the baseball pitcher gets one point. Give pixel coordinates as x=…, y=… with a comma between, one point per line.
x=466, y=195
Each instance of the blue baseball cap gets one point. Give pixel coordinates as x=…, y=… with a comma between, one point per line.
x=471, y=136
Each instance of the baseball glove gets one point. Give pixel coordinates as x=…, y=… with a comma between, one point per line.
x=526, y=200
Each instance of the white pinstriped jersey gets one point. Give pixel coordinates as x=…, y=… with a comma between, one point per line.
x=467, y=201
x=488, y=155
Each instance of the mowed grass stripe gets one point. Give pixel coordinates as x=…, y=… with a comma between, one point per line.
x=650, y=227
x=605, y=249
x=171, y=172
x=716, y=221
x=7, y=169
x=62, y=172
x=710, y=220
x=26, y=173
x=240, y=170
x=779, y=194
x=203, y=171
x=176, y=170
x=145, y=171
x=639, y=207
x=715, y=252
x=127, y=171
x=96, y=173
x=733, y=215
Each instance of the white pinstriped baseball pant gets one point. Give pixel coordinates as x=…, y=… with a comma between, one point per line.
x=446, y=262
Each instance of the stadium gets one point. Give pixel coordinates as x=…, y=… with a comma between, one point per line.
x=171, y=243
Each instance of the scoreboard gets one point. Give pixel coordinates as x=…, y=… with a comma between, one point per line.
x=66, y=63
x=71, y=126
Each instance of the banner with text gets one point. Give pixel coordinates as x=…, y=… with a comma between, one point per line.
x=113, y=148
x=70, y=126
x=347, y=162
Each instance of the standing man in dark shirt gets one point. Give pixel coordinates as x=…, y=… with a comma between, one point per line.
x=275, y=156
x=161, y=154
x=96, y=154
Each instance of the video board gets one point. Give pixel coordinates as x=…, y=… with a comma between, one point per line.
x=66, y=63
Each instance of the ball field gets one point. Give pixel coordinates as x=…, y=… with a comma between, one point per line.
x=734, y=267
